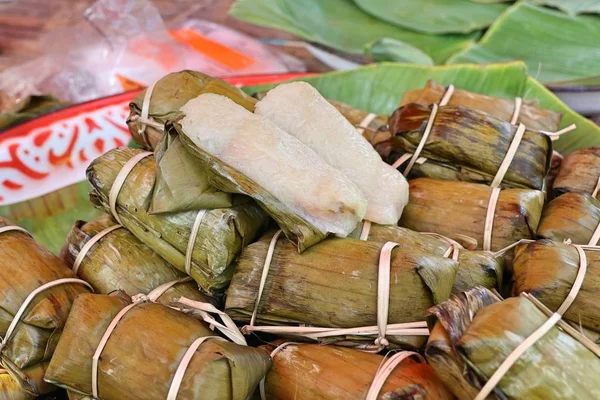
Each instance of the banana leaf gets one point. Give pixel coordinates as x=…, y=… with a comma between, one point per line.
x=556, y=47
x=315, y=372
x=300, y=110
x=119, y=261
x=476, y=334
x=221, y=236
x=571, y=7
x=28, y=108
x=250, y=155
x=170, y=93
x=334, y=284
x=342, y=25
x=143, y=352
x=475, y=268
x=24, y=267
x=388, y=49
x=472, y=141
x=434, y=16
x=547, y=270
x=573, y=216
x=579, y=172
x=459, y=208
x=379, y=88
x=178, y=185
x=10, y=388
x=530, y=114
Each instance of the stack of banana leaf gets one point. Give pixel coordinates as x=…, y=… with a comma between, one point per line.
x=221, y=235
x=118, y=261
x=31, y=328
x=143, y=354
x=476, y=331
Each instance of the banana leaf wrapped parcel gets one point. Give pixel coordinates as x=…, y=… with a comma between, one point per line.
x=548, y=269
x=468, y=145
x=572, y=216
x=248, y=154
x=476, y=331
x=579, y=172
x=119, y=261
x=455, y=209
x=142, y=353
x=10, y=388
x=529, y=113
x=221, y=233
x=168, y=95
x=316, y=372
x=30, y=336
x=334, y=284
x=475, y=268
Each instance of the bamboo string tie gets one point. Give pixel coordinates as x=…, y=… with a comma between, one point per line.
x=117, y=185
x=88, y=245
x=364, y=124
x=189, y=251
x=144, y=119
x=385, y=370
x=554, y=319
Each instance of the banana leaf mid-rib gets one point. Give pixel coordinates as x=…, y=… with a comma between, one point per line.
x=455, y=209
x=120, y=261
x=547, y=270
x=476, y=332
x=334, y=284
x=470, y=142
x=475, y=268
x=24, y=267
x=248, y=154
x=530, y=114
x=579, y=172
x=316, y=372
x=573, y=216
x=169, y=94
x=221, y=235
x=144, y=351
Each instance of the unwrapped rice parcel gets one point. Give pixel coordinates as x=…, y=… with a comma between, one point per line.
x=164, y=98
x=220, y=233
x=579, y=172
x=144, y=356
x=469, y=145
x=572, y=216
x=117, y=260
x=300, y=110
x=548, y=269
x=455, y=209
x=31, y=329
x=248, y=154
x=334, y=284
x=475, y=268
x=477, y=331
x=527, y=113
x=316, y=372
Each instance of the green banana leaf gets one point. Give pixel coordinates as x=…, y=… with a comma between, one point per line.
x=340, y=24
x=387, y=49
x=434, y=16
x=571, y=7
x=555, y=46
x=379, y=88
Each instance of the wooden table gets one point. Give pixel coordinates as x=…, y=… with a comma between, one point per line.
x=24, y=22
